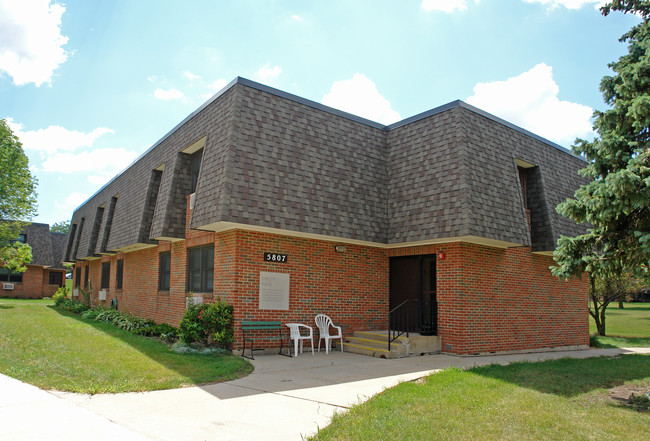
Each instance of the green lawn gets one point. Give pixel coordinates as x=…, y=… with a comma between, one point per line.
x=55, y=349
x=565, y=399
x=555, y=400
x=628, y=327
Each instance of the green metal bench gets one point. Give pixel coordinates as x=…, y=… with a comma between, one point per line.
x=250, y=333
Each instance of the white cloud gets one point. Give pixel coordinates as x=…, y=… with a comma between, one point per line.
x=569, y=4
x=359, y=96
x=218, y=84
x=268, y=73
x=190, y=76
x=296, y=17
x=31, y=44
x=71, y=202
x=531, y=101
x=105, y=162
x=171, y=94
x=55, y=138
x=444, y=5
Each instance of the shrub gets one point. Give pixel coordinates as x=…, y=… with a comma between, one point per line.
x=71, y=305
x=208, y=323
x=131, y=323
x=60, y=295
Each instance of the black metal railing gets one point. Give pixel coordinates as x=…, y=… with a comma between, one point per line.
x=412, y=315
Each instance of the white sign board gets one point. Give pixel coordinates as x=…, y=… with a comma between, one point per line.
x=274, y=291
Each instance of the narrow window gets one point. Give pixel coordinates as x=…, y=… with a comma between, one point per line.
x=119, y=271
x=87, y=280
x=106, y=275
x=196, y=166
x=200, y=268
x=56, y=278
x=164, y=271
x=78, y=277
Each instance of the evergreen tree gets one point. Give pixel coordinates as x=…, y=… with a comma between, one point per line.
x=615, y=204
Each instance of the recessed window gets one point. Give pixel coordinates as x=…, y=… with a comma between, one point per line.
x=164, y=270
x=106, y=275
x=22, y=238
x=86, y=277
x=77, y=277
x=200, y=268
x=196, y=167
x=119, y=271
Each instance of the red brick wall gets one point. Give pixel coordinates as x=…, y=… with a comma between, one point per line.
x=351, y=287
x=35, y=284
x=492, y=300
x=489, y=299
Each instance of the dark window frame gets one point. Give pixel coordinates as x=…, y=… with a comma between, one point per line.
x=87, y=276
x=119, y=274
x=11, y=277
x=200, y=269
x=106, y=275
x=77, y=277
x=55, y=278
x=164, y=270
x=197, y=157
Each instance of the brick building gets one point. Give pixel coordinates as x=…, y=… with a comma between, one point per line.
x=286, y=208
x=46, y=273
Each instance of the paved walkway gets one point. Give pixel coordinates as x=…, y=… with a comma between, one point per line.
x=283, y=399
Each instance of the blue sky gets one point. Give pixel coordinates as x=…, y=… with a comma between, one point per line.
x=88, y=85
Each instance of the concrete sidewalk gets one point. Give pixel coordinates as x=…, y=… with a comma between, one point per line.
x=283, y=399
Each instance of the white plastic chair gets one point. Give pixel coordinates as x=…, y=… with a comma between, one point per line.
x=324, y=323
x=296, y=336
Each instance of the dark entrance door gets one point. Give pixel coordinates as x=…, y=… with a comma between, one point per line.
x=413, y=290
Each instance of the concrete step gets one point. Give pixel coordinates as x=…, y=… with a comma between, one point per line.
x=375, y=343
x=368, y=342
x=366, y=350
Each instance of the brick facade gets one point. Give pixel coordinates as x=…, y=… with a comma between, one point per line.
x=35, y=284
x=47, y=256
x=489, y=299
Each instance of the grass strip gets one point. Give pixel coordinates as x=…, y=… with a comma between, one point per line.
x=55, y=349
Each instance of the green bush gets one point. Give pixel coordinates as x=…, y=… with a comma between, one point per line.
x=131, y=323
x=60, y=295
x=71, y=305
x=208, y=323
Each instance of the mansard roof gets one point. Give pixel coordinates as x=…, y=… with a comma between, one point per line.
x=277, y=162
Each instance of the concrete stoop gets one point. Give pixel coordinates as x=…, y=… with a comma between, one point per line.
x=375, y=344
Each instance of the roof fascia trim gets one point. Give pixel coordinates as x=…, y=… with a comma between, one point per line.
x=483, y=113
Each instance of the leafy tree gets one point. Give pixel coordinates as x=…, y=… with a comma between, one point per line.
x=616, y=201
x=61, y=227
x=17, y=186
x=15, y=257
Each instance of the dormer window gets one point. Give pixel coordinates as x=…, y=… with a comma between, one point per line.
x=196, y=166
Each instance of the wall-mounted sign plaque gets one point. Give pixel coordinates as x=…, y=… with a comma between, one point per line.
x=274, y=291
x=275, y=257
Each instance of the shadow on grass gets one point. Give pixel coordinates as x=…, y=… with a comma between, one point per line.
x=6, y=307
x=571, y=377
x=615, y=341
x=196, y=368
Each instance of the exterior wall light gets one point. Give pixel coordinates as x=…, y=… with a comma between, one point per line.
x=340, y=249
